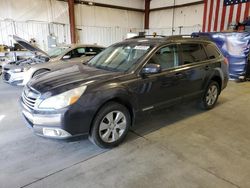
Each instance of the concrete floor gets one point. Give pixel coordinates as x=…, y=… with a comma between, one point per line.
x=177, y=147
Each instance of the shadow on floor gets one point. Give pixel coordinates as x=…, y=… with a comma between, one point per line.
x=155, y=120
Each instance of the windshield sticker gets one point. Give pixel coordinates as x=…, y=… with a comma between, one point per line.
x=141, y=47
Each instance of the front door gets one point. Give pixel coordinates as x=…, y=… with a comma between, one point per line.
x=163, y=88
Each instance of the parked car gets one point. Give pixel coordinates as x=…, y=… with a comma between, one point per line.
x=20, y=72
x=103, y=97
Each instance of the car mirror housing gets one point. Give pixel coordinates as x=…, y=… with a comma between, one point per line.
x=151, y=69
x=66, y=57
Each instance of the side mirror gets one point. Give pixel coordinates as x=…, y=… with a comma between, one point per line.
x=151, y=69
x=66, y=57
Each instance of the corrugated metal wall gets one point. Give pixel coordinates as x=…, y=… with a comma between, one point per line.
x=40, y=31
x=103, y=35
x=187, y=30
x=32, y=29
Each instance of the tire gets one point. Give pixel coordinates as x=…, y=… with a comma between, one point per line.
x=106, y=131
x=210, y=96
x=41, y=71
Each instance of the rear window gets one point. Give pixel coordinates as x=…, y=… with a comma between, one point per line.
x=212, y=52
x=192, y=53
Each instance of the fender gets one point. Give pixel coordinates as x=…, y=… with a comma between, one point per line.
x=217, y=73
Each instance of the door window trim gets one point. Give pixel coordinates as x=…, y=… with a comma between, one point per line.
x=156, y=50
x=194, y=63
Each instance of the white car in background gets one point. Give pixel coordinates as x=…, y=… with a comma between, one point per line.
x=20, y=72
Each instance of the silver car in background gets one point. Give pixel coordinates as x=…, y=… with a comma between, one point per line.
x=20, y=72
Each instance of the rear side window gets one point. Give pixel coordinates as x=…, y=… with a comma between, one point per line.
x=212, y=52
x=192, y=53
x=94, y=49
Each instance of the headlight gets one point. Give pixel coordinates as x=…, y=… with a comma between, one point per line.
x=26, y=68
x=62, y=100
x=18, y=70
x=23, y=69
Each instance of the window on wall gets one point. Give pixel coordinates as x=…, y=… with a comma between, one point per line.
x=166, y=57
x=192, y=53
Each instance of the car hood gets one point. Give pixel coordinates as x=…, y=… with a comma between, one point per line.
x=25, y=44
x=14, y=66
x=69, y=78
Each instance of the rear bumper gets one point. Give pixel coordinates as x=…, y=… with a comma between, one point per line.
x=224, y=83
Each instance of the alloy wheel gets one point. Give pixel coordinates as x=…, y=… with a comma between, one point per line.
x=212, y=95
x=112, y=126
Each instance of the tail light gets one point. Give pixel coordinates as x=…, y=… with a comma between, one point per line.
x=226, y=61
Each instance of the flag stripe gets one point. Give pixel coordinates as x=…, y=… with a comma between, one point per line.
x=243, y=9
x=238, y=12
x=219, y=15
x=247, y=10
x=226, y=17
x=204, y=16
x=223, y=18
x=216, y=13
x=210, y=15
x=230, y=18
x=207, y=16
x=234, y=13
x=213, y=15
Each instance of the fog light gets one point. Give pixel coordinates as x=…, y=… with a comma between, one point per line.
x=55, y=132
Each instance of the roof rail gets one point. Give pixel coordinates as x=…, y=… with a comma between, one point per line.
x=179, y=36
x=193, y=36
x=145, y=36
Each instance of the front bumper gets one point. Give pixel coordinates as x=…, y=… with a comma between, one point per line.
x=13, y=78
x=59, y=124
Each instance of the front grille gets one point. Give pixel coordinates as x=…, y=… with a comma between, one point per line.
x=29, y=97
x=6, y=76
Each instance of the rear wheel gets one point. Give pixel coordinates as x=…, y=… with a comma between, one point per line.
x=110, y=125
x=211, y=96
x=41, y=71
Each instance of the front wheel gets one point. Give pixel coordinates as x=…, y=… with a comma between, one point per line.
x=110, y=125
x=211, y=96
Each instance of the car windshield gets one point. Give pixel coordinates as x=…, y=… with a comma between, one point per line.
x=120, y=58
x=54, y=52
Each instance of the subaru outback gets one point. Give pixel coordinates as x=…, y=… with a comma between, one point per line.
x=102, y=97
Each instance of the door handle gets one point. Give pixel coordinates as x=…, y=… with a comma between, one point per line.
x=179, y=75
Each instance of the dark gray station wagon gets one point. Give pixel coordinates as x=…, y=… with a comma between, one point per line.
x=102, y=97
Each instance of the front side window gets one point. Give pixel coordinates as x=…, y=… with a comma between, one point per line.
x=192, y=53
x=78, y=52
x=167, y=57
x=120, y=58
x=54, y=52
x=93, y=50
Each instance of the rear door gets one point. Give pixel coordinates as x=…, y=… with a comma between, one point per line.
x=195, y=69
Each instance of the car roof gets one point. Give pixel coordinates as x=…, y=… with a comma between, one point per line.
x=159, y=40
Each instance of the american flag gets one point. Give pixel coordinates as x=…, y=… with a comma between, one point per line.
x=218, y=14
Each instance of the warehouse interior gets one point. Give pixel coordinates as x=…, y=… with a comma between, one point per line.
x=186, y=143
